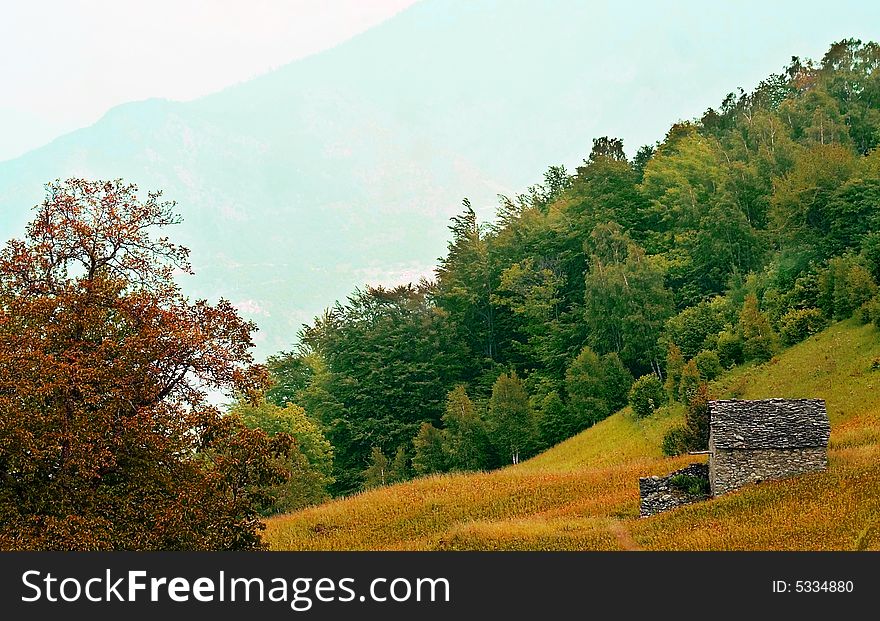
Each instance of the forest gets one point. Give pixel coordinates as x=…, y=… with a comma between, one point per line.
x=631, y=280
x=628, y=281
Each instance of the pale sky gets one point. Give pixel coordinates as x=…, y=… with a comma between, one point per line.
x=64, y=63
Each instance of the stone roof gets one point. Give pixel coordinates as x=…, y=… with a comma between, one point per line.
x=769, y=423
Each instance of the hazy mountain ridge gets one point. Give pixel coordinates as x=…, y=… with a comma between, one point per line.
x=300, y=184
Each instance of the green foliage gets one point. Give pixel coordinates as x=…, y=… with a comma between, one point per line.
x=690, y=484
x=694, y=434
x=647, y=395
x=798, y=324
x=555, y=423
x=690, y=381
x=708, y=365
x=399, y=469
x=391, y=358
x=852, y=213
x=377, y=472
x=676, y=441
x=674, y=367
x=512, y=424
x=310, y=462
x=616, y=382
x=586, y=388
x=429, y=456
x=844, y=286
x=799, y=205
x=730, y=348
x=871, y=254
x=759, y=339
x=596, y=387
x=690, y=329
x=869, y=311
x=697, y=419
x=291, y=375
x=465, y=441
x=626, y=302
x=731, y=228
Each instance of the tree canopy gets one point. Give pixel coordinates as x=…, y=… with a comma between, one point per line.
x=107, y=437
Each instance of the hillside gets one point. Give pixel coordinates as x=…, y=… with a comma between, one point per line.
x=583, y=493
x=344, y=168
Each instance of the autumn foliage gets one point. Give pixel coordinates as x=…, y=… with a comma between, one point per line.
x=107, y=439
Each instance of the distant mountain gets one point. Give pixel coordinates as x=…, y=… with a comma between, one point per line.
x=344, y=167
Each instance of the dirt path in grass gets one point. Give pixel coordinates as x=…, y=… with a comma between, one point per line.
x=623, y=536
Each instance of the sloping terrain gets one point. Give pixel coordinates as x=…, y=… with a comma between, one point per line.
x=583, y=493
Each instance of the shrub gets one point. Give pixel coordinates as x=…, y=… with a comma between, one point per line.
x=869, y=311
x=676, y=441
x=730, y=349
x=646, y=395
x=689, y=484
x=690, y=380
x=708, y=364
x=798, y=324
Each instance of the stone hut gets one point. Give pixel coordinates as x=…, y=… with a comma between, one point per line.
x=753, y=441
x=749, y=442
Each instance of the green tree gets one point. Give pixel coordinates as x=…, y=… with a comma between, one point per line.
x=708, y=364
x=429, y=455
x=759, y=339
x=690, y=381
x=310, y=462
x=625, y=302
x=730, y=348
x=378, y=471
x=585, y=385
x=647, y=395
x=691, y=327
x=697, y=419
x=616, y=382
x=399, y=469
x=674, y=367
x=512, y=424
x=391, y=357
x=844, y=286
x=465, y=286
x=799, y=204
x=871, y=253
x=465, y=439
x=801, y=323
x=555, y=422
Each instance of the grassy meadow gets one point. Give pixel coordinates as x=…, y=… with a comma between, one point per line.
x=583, y=493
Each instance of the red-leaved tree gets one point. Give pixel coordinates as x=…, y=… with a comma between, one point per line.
x=107, y=439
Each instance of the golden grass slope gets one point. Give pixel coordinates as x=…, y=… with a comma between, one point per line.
x=583, y=493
